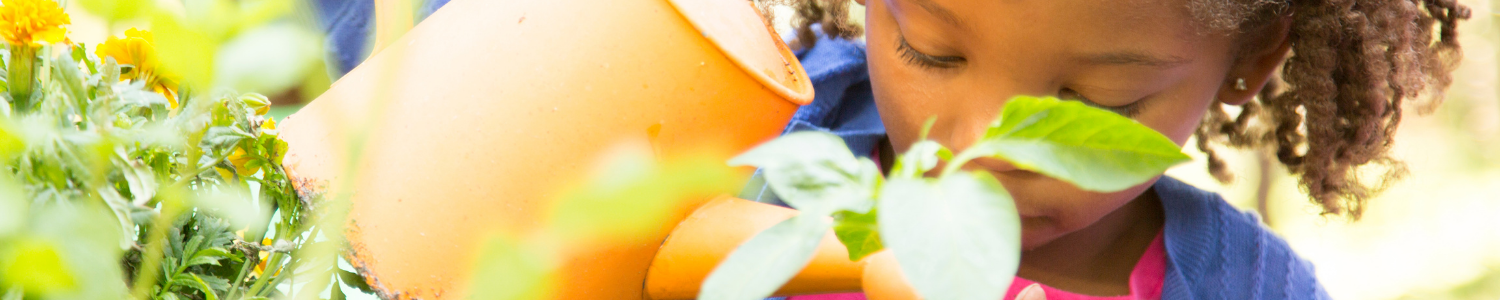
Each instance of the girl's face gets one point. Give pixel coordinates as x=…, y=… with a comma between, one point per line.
x=960, y=60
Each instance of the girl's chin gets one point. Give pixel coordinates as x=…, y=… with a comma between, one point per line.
x=1037, y=231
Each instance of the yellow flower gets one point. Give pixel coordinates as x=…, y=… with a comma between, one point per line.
x=26, y=22
x=241, y=160
x=136, y=50
x=269, y=124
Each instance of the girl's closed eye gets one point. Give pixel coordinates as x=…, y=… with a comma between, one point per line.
x=917, y=58
x=1127, y=110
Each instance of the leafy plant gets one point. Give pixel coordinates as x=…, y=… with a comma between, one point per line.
x=118, y=179
x=955, y=235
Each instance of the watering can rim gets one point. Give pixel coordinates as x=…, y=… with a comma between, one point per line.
x=800, y=94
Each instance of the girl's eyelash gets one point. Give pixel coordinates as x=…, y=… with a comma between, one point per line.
x=1127, y=110
x=917, y=58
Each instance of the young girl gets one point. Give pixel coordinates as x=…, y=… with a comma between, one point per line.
x=1348, y=69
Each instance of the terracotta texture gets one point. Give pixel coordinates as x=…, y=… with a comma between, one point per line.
x=471, y=121
x=707, y=236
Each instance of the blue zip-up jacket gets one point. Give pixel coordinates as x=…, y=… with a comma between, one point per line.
x=1214, y=251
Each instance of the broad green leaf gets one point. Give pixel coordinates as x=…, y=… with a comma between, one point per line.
x=765, y=262
x=858, y=232
x=923, y=156
x=1092, y=148
x=814, y=172
x=117, y=10
x=631, y=193
x=511, y=270
x=185, y=49
x=37, y=265
x=955, y=238
x=14, y=293
x=269, y=59
x=13, y=206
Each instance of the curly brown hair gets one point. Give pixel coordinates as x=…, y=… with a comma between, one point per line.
x=1354, y=64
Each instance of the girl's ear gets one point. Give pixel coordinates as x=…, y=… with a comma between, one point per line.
x=1255, y=67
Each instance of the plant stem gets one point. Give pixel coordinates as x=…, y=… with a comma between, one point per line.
x=958, y=162
x=20, y=76
x=273, y=263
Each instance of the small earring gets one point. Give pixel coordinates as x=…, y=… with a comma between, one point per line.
x=1239, y=85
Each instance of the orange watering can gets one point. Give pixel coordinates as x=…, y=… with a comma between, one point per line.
x=470, y=121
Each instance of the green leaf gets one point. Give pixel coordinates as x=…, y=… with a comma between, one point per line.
x=138, y=177
x=336, y=292
x=955, y=238
x=117, y=10
x=355, y=281
x=38, y=266
x=631, y=192
x=510, y=270
x=121, y=209
x=858, y=232
x=814, y=172
x=923, y=156
x=203, y=287
x=202, y=260
x=1092, y=148
x=223, y=137
x=216, y=252
x=14, y=293
x=765, y=262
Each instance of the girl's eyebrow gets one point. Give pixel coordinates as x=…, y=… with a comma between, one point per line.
x=947, y=16
x=1135, y=58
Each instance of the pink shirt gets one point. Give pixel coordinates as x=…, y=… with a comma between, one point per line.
x=1145, y=281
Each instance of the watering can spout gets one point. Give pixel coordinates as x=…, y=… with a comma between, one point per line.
x=706, y=237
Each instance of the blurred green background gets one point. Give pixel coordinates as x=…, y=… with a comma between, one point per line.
x=1434, y=235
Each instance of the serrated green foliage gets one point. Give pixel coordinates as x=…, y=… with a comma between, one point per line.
x=129, y=188
x=957, y=237
x=762, y=264
x=1095, y=149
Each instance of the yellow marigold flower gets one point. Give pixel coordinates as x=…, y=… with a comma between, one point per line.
x=241, y=161
x=136, y=50
x=26, y=22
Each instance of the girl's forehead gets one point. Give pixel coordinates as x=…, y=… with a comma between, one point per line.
x=1165, y=27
